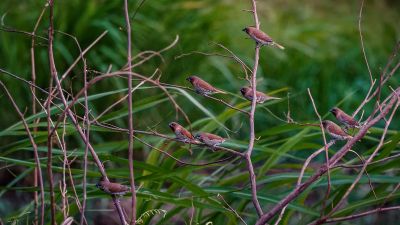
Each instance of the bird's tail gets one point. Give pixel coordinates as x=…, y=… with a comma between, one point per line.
x=220, y=91
x=273, y=98
x=278, y=46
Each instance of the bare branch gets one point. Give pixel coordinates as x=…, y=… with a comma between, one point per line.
x=328, y=190
x=355, y=216
x=333, y=160
x=130, y=114
x=35, y=149
x=251, y=120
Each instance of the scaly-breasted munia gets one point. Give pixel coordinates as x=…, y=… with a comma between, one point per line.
x=247, y=92
x=203, y=88
x=335, y=131
x=181, y=133
x=211, y=140
x=261, y=38
x=345, y=119
x=112, y=188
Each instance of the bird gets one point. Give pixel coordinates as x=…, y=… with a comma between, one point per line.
x=202, y=87
x=112, y=188
x=335, y=130
x=345, y=119
x=247, y=92
x=261, y=38
x=180, y=132
x=211, y=140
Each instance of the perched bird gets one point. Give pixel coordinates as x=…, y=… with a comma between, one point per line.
x=261, y=38
x=181, y=133
x=335, y=131
x=247, y=92
x=203, y=88
x=112, y=188
x=211, y=140
x=345, y=119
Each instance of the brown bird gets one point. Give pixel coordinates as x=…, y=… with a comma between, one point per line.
x=112, y=188
x=203, y=88
x=247, y=92
x=335, y=131
x=261, y=38
x=211, y=140
x=345, y=119
x=181, y=133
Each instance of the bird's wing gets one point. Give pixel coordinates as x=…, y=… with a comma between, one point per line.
x=350, y=120
x=261, y=35
x=186, y=133
x=115, y=188
x=335, y=129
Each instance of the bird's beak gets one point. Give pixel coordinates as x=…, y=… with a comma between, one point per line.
x=331, y=110
x=244, y=29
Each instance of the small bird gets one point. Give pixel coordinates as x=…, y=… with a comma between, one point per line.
x=211, y=140
x=247, y=92
x=261, y=38
x=112, y=188
x=335, y=131
x=203, y=88
x=180, y=132
x=344, y=118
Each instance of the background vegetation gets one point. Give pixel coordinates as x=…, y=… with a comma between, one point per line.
x=322, y=53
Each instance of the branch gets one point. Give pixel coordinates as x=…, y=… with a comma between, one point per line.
x=328, y=190
x=33, y=90
x=178, y=160
x=53, y=73
x=251, y=120
x=130, y=115
x=352, y=186
x=355, y=216
x=156, y=134
x=362, y=42
x=333, y=160
x=35, y=150
x=71, y=115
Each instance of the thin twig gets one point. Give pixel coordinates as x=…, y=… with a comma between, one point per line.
x=156, y=134
x=333, y=160
x=352, y=186
x=308, y=160
x=121, y=99
x=35, y=149
x=251, y=120
x=178, y=160
x=53, y=73
x=33, y=90
x=355, y=216
x=362, y=41
x=71, y=115
x=328, y=190
x=130, y=114
x=231, y=209
x=85, y=156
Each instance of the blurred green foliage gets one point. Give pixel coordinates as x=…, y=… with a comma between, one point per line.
x=321, y=38
x=323, y=53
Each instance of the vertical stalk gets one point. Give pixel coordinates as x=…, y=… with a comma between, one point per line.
x=130, y=114
x=250, y=148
